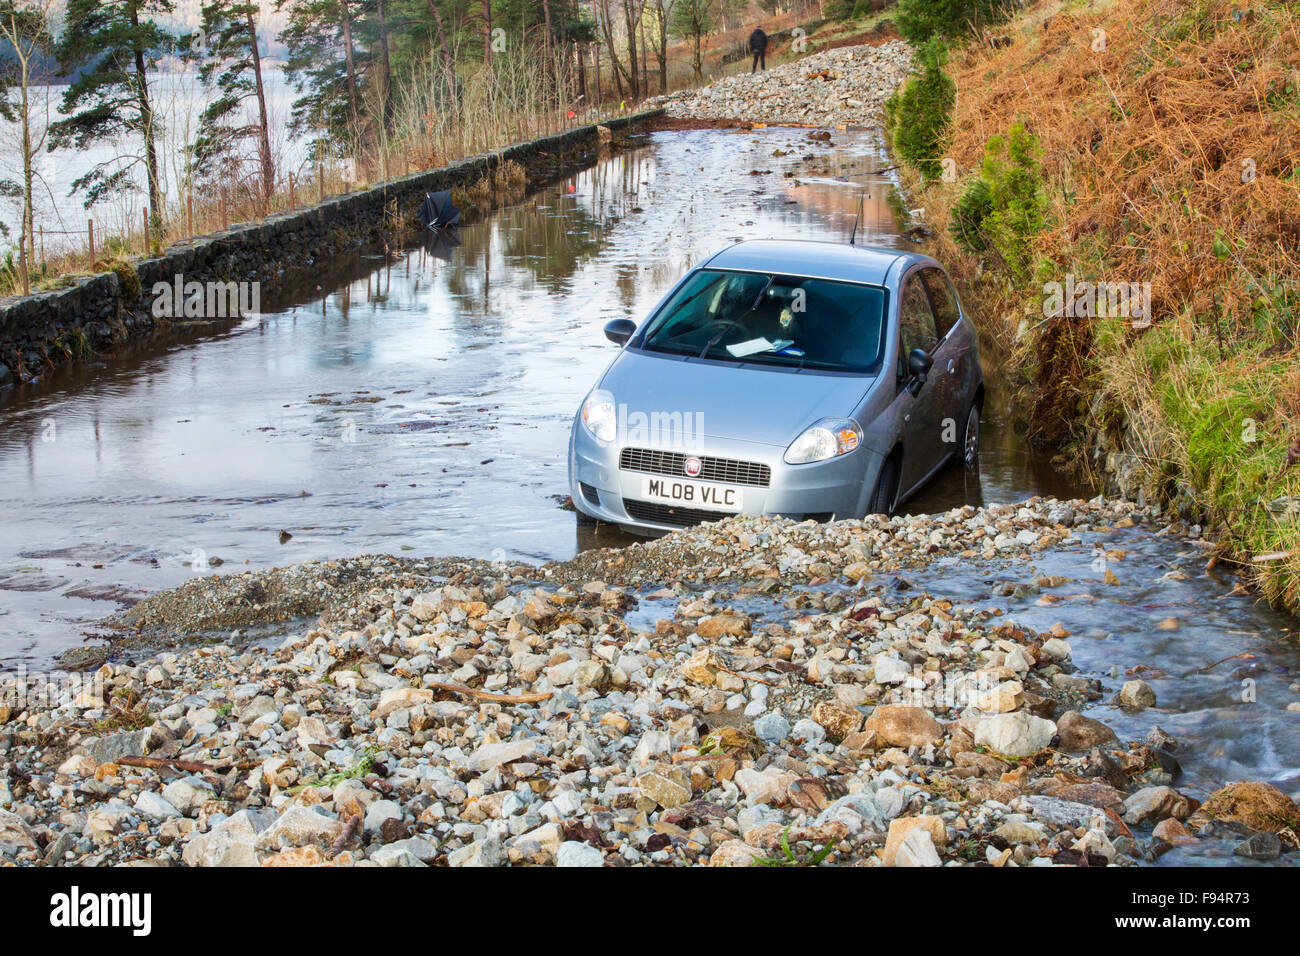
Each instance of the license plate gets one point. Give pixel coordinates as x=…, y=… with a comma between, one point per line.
x=693, y=494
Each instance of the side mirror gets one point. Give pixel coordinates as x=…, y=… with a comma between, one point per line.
x=619, y=331
x=919, y=363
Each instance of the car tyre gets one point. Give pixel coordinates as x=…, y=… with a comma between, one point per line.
x=970, y=445
x=882, y=501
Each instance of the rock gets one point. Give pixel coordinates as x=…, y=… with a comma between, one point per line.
x=917, y=849
x=396, y=855
x=1083, y=733
x=764, y=786
x=423, y=850
x=154, y=806
x=1257, y=805
x=573, y=853
x=188, y=794
x=840, y=721
x=485, y=852
x=1152, y=804
x=1261, y=846
x=112, y=748
x=15, y=832
x=401, y=698
x=489, y=756
x=666, y=785
x=299, y=826
x=700, y=669
x=379, y=812
x=1136, y=695
x=1096, y=844
x=592, y=673
x=107, y=820
x=1015, y=831
x=1172, y=831
x=425, y=607
x=733, y=853
x=231, y=842
x=1014, y=735
x=296, y=856
x=809, y=732
x=721, y=625
x=890, y=670
x=772, y=728
x=1062, y=813
x=900, y=725
x=1004, y=698
x=1056, y=649
x=900, y=829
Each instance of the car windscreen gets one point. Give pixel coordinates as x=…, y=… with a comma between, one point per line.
x=778, y=320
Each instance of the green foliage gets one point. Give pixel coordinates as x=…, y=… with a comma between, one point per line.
x=921, y=116
x=230, y=65
x=1017, y=205
x=115, y=43
x=790, y=858
x=968, y=214
x=922, y=20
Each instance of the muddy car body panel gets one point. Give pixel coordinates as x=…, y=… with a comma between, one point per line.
x=862, y=355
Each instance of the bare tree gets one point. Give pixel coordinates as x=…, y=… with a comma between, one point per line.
x=24, y=25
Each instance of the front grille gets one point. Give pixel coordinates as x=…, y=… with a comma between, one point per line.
x=589, y=492
x=726, y=470
x=670, y=514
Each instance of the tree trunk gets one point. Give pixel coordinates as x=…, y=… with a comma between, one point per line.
x=353, y=106
x=150, y=130
x=630, y=21
x=487, y=32
x=385, y=69
x=263, y=120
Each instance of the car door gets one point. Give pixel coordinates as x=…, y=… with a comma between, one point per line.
x=922, y=450
x=952, y=359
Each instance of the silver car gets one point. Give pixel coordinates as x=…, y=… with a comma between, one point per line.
x=808, y=379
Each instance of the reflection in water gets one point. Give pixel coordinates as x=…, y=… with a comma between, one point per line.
x=413, y=403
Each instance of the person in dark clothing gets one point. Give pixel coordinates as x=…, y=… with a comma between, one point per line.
x=758, y=47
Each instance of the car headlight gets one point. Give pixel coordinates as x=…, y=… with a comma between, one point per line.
x=599, y=415
x=828, y=438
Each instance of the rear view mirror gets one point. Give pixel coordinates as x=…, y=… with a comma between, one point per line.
x=619, y=331
x=919, y=363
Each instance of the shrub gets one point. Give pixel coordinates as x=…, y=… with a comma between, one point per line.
x=968, y=214
x=1016, y=204
x=921, y=114
x=922, y=20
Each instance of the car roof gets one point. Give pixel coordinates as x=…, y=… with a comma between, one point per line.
x=816, y=259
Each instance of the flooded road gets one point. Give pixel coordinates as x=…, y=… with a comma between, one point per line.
x=421, y=405
x=418, y=404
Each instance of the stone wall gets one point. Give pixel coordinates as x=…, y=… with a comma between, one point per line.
x=41, y=332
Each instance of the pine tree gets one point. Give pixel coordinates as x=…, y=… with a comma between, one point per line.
x=231, y=64
x=115, y=43
x=323, y=65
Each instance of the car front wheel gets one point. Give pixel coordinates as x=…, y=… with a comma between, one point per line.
x=971, y=441
x=882, y=501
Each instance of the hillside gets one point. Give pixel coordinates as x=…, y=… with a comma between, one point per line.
x=1162, y=141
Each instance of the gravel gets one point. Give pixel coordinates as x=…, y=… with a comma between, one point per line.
x=700, y=698
x=841, y=87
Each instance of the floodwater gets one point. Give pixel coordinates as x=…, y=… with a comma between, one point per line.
x=421, y=403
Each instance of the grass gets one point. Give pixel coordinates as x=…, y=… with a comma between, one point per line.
x=789, y=858
x=1170, y=156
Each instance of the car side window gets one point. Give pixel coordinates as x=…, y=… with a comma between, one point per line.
x=916, y=320
x=943, y=298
